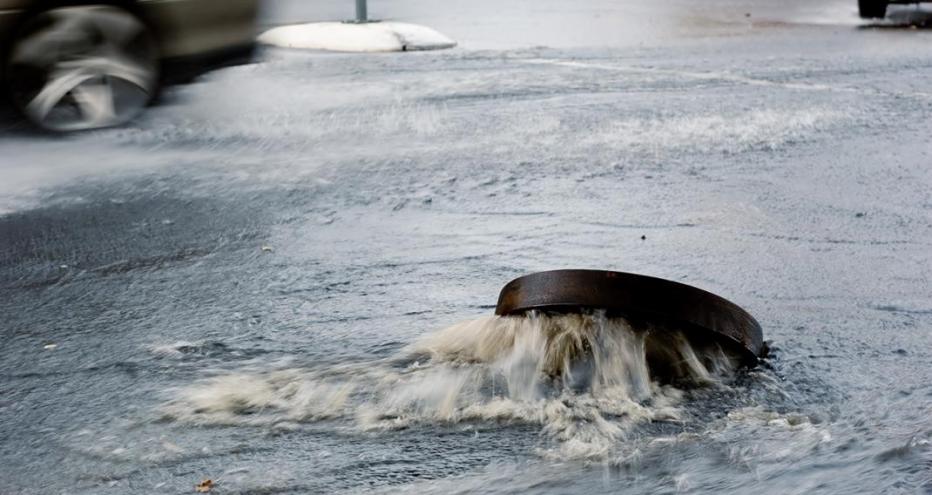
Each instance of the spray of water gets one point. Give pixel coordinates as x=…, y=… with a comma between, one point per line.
x=586, y=379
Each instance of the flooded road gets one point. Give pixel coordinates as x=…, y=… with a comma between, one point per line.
x=281, y=278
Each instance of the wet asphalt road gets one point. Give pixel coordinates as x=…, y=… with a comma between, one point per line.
x=314, y=210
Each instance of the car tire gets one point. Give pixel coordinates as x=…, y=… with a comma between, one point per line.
x=81, y=66
x=872, y=9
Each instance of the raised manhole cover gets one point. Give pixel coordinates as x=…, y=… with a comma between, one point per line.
x=703, y=317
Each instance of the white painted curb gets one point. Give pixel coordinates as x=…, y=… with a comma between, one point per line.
x=349, y=37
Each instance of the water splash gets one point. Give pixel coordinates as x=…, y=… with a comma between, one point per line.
x=586, y=379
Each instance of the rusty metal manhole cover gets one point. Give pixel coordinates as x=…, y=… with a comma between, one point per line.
x=701, y=315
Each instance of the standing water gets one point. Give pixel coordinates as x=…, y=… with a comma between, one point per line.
x=241, y=292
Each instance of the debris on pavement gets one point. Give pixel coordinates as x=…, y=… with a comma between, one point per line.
x=204, y=486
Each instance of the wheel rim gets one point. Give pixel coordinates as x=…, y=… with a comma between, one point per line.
x=86, y=67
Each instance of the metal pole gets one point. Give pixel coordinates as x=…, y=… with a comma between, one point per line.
x=361, y=14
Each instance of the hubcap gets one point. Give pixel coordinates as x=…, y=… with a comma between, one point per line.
x=76, y=68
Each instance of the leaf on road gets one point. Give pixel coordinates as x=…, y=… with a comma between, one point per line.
x=204, y=486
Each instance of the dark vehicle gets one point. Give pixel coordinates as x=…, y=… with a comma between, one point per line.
x=875, y=9
x=73, y=65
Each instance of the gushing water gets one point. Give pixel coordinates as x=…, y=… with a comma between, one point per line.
x=585, y=378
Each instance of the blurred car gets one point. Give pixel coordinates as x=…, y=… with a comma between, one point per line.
x=876, y=9
x=74, y=65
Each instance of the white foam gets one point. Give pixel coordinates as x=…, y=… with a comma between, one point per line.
x=583, y=378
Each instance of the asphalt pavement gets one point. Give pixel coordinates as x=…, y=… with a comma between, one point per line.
x=285, y=220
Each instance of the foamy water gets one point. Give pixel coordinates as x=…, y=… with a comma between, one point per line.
x=587, y=380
